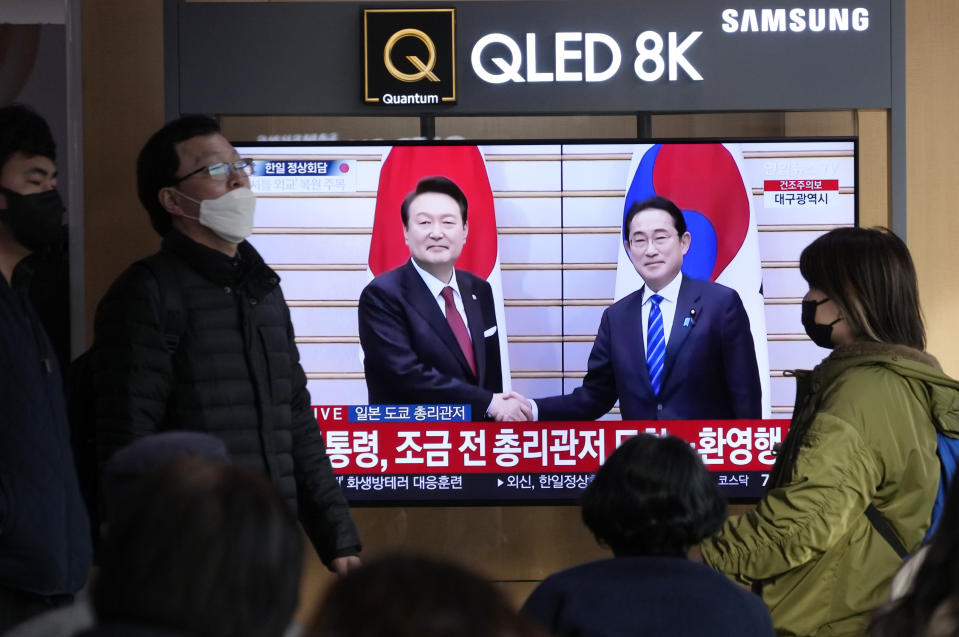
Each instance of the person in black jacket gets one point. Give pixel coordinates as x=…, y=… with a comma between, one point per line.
x=201, y=337
x=650, y=502
x=45, y=550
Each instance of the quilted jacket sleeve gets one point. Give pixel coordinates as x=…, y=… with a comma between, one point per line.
x=833, y=483
x=132, y=368
x=323, y=510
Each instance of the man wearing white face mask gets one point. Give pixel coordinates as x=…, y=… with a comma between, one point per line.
x=199, y=337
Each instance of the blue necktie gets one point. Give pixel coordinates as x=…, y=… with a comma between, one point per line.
x=655, y=343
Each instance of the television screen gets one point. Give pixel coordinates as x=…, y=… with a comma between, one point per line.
x=545, y=230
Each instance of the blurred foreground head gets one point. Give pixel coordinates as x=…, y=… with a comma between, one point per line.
x=930, y=605
x=203, y=548
x=414, y=596
x=653, y=496
x=144, y=456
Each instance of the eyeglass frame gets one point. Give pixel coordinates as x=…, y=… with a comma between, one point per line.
x=658, y=240
x=246, y=169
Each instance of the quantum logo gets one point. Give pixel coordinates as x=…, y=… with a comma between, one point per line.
x=409, y=56
x=425, y=69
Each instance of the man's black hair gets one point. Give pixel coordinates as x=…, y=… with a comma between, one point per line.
x=442, y=185
x=659, y=203
x=159, y=162
x=22, y=130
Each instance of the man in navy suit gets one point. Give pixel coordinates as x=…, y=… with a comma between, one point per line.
x=677, y=348
x=428, y=331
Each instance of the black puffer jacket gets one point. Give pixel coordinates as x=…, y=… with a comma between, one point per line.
x=235, y=373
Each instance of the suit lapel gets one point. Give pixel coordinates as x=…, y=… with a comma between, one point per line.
x=688, y=310
x=421, y=300
x=474, y=317
x=635, y=316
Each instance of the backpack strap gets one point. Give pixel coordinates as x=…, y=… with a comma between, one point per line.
x=173, y=319
x=884, y=528
x=947, y=450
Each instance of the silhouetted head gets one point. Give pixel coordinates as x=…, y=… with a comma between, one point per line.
x=206, y=549
x=653, y=496
x=412, y=596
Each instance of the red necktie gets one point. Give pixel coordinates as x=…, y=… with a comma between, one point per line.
x=459, y=327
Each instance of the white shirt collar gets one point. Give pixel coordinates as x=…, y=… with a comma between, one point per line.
x=435, y=285
x=670, y=291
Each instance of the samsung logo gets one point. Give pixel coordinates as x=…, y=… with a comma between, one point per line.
x=795, y=20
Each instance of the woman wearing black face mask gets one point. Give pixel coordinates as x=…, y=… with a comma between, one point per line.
x=863, y=433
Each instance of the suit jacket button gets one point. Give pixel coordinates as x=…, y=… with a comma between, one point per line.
x=659, y=407
x=227, y=289
x=252, y=301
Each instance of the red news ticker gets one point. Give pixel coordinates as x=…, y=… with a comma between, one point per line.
x=799, y=185
x=370, y=448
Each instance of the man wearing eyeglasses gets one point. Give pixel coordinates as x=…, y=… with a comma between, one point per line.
x=676, y=349
x=198, y=336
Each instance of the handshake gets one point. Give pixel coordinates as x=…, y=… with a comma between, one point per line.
x=510, y=407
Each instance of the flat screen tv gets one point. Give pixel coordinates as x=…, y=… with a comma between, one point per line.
x=546, y=230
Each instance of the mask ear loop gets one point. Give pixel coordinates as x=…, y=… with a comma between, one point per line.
x=825, y=300
x=188, y=198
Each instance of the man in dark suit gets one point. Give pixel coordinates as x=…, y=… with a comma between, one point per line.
x=677, y=348
x=428, y=331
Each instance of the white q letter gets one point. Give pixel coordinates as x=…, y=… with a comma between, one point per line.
x=510, y=71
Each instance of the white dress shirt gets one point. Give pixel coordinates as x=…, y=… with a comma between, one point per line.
x=667, y=306
x=436, y=289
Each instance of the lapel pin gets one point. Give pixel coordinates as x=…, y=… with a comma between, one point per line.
x=474, y=296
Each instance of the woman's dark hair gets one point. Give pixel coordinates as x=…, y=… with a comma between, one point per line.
x=206, y=549
x=158, y=164
x=935, y=584
x=869, y=275
x=416, y=596
x=653, y=496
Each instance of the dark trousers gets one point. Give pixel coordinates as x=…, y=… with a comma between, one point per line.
x=18, y=606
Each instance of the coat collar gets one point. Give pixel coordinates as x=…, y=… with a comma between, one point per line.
x=688, y=309
x=246, y=269
x=870, y=349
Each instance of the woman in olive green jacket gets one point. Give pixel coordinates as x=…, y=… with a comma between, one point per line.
x=863, y=432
